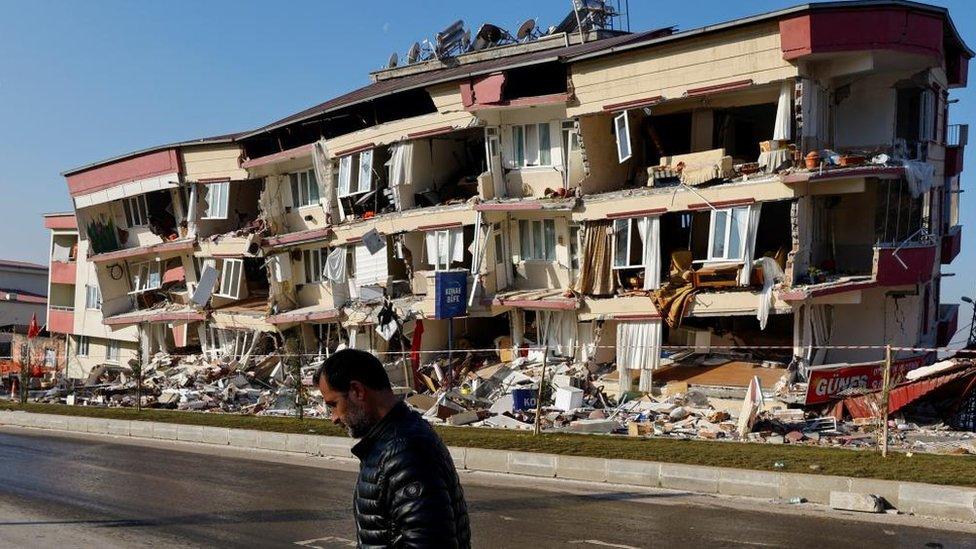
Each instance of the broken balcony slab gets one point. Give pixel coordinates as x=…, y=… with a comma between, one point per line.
x=170, y=313
x=313, y=313
x=166, y=248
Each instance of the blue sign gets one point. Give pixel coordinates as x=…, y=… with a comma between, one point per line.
x=451, y=291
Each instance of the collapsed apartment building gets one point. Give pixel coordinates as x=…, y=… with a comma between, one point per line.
x=769, y=198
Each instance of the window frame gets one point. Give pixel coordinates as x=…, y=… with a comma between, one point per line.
x=113, y=351
x=309, y=258
x=93, y=294
x=84, y=346
x=621, y=157
x=136, y=206
x=220, y=202
x=350, y=165
x=136, y=281
x=526, y=139
x=303, y=183
x=236, y=268
x=730, y=215
x=632, y=231
x=533, y=232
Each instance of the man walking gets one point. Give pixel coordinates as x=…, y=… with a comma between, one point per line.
x=408, y=493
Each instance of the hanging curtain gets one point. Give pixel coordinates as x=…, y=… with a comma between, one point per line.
x=322, y=165
x=399, y=165
x=650, y=233
x=596, y=272
x=784, y=112
x=560, y=332
x=771, y=275
x=749, y=243
x=638, y=348
x=335, y=265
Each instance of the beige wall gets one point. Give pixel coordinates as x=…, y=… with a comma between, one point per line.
x=79, y=367
x=212, y=162
x=670, y=70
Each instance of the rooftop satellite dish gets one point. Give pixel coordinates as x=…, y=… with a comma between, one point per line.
x=466, y=41
x=525, y=30
x=414, y=53
x=392, y=61
x=448, y=40
x=489, y=36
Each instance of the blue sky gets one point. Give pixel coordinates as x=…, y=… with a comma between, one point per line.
x=83, y=81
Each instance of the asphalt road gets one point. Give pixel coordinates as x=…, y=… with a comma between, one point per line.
x=69, y=492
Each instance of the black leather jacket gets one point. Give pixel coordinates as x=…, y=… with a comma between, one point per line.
x=408, y=493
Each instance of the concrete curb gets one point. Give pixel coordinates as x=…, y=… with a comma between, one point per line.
x=929, y=500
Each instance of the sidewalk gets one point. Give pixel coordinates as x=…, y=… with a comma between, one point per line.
x=944, y=502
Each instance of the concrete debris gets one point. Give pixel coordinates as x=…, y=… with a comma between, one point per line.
x=853, y=501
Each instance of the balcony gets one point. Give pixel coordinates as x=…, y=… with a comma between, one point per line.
x=948, y=323
x=61, y=320
x=63, y=272
x=957, y=137
x=951, y=244
x=904, y=265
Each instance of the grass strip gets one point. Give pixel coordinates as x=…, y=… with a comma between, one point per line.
x=927, y=468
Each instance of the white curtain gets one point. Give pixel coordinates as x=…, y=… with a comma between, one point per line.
x=323, y=174
x=559, y=332
x=638, y=348
x=370, y=268
x=61, y=253
x=400, y=164
x=771, y=275
x=650, y=232
x=335, y=265
x=749, y=243
x=784, y=112
x=451, y=248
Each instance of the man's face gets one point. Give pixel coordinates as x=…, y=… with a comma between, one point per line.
x=348, y=408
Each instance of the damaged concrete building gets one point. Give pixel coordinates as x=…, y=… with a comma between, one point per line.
x=755, y=198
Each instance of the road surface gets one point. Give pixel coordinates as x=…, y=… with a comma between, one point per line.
x=64, y=491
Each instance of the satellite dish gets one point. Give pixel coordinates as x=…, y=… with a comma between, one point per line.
x=525, y=30
x=466, y=41
x=413, y=53
x=449, y=39
x=489, y=36
x=393, y=61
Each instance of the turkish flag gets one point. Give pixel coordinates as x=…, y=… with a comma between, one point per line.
x=33, y=329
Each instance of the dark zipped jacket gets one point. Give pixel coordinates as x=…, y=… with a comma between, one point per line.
x=408, y=493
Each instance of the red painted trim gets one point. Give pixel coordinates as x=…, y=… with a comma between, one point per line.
x=550, y=99
x=66, y=221
x=299, y=237
x=508, y=206
x=354, y=239
x=124, y=171
x=636, y=103
x=738, y=84
x=292, y=317
x=22, y=297
x=155, y=249
x=722, y=204
x=127, y=319
x=431, y=133
x=644, y=316
x=539, y=304
x=213, y=180
x=440, y=226
x=897, y=29
x=800, y=294
x=60, y=321
x=637, y=213
x=290, y=154
x=63, y=272
x=354, y=150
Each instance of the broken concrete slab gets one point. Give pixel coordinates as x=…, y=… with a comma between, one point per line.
x=853, y=501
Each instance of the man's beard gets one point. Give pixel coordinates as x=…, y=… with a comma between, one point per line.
x=357, y=422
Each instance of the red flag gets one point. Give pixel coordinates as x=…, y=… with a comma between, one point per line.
x=33, y=329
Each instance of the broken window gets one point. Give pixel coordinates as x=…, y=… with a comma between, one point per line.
x=356, y=173
x=83, y=345
x=230, y=278
x=136, y=211
x=217, y=198
x=621, y=128
x=145, y=276
x=727, y=233
x=112, y=351
x=93, y=297
x=532, y=145
x=313, y=261
x=304, y=188
x=538, y=239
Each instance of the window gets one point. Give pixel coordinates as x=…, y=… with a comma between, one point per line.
x=499, y=243
x=49, y=358
x=313, y=261
x=628, y=246
x=538, y=239
x=356, y=173
x=230, y=278
x=136, y=211
x=575, y=245
x=570, y=139
x=621, y=127
x=217, y=197
x=145, y=276
x=727, y=234
x=93, y=297
x=532, y=145
x=304, y=188
x=112, y=351
x=83, y=343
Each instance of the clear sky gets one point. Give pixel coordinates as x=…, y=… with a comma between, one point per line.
x=84, y=81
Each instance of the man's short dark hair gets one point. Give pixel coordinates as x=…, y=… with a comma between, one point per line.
x=350, y=365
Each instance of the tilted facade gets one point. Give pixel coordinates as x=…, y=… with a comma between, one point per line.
x=787, y=182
